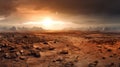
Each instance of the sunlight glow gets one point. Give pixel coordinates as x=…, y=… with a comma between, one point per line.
x=48, y=23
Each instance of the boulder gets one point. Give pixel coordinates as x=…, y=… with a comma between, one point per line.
x=10, y=55
x=23, y=57
x=35, y=53
x=64, y=52
x=93, y=64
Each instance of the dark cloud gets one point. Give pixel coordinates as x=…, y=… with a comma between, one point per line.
x=7, y=7
x=95, y=11
x=105, y=7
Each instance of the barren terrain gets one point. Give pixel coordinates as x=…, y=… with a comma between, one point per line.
x=59, y=49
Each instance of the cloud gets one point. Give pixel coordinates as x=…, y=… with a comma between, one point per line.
x=7, y=7
x=111, y=7
x=19, y=11
x=105, y=7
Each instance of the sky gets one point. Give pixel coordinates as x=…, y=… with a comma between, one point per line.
x=75, y=12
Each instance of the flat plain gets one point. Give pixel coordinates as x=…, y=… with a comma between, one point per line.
x=60, y=49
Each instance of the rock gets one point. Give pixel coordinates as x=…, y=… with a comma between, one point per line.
x=27, y=46
x=59, y=59
x=7, y=55
x=45, y=42
x=18, y=53
x=109, y=50
x=3, y=45
x=64, y=52
x=103, y=58
x=35, y=53
x=12, y=51
x=25, y=36
x=10, y=55
x=111, y=56
x=21, y=51
x=114, y=54
x=1, y=50
x=12, y=47
x=23, y=57
x=94, y=64
x=69, y=64
x=38, y=48
x=55, y=41
x=51, y=48
x=99, y=46
x=119, y=48
x=26, y=53
x=110, y=65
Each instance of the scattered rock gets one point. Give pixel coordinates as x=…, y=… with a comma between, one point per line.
x=45, y=42
x=12, y=47
x=26, y=53
x=114, y=54
x=94, y=64
x=1, y=50
x=64, y=52
x=109, y=50
x=18, y=53
x=99, y=46
x=25, y=36
x=69, y=64
x=111, y=56
x=35, y=53
x=110, y=65
x=27, y=46
x=12, y=51
x=38, y=48
x=21, y=51
x=3, y=45
x=51, y=48
x=59, y=59
x=55, y=41
x=119, y=48
x=23, y=57
x=10, y=55
x=20, y=46
x=103, y=58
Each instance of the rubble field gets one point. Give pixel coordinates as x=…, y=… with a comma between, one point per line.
x=59, y=49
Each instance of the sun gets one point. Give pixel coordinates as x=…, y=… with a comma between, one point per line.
x=51, y=24
x=48, y=23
